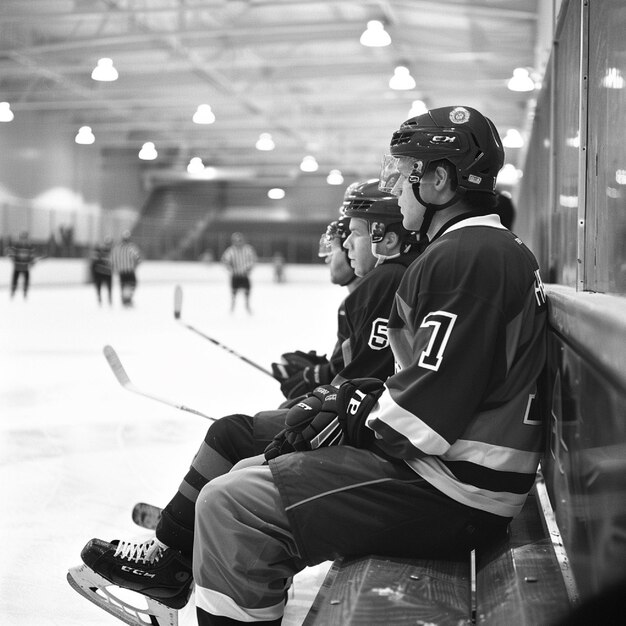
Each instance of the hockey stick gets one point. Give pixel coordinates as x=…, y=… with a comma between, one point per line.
x=123, y=379
x=178, y=305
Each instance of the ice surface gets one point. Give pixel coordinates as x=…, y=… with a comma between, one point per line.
x=77, y=450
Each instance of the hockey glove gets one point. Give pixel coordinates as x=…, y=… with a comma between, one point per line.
x=306, y=380
x=310, y=424
x=294, y=362
x=356, y=398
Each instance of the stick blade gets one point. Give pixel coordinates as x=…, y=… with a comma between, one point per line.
x=178, y=301
x=116, y=365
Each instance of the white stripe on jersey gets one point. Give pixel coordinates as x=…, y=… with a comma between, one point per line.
x=239, y=260
x=125, y=257
x=420, y=434
x=503, y=503
x=493, y=456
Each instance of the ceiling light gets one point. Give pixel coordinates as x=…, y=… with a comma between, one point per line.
x=509, y=174
x=196, y=166
x=334, y=177
x=513, y=139
x=521, y=80
x=402, y=79
x=276, y=193
x=265, y=142
x=84, y=136
x=613, y=79
x=104, y=71
x=418, y=108
x=6, y=115
x=375, y=35
x=309, y=164
x=203, y=115
x=148, y=152
x=620, y=177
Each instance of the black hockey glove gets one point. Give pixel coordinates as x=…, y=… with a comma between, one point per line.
x=310, y=424
x=356, y=398
x=306, y=380
x=329, y=416
x=294, y=362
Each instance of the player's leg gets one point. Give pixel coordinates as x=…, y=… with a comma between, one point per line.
x=26, y=282
x=228, y=441
x=251, y=588
x=159, y=567
x=258, y=526
x=97, y=279
x=14, y=278
x=108, y=282
x=234, y=287
x=246, y=286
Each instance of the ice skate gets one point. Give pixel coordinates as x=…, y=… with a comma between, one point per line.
x=160, y=574
x=104, y=594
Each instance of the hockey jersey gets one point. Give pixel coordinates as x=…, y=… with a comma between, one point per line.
x=23, y=256
x=467, y=331
x=365, y=347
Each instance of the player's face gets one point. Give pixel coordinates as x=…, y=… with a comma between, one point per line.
x=359, y=247
x=341, y=271
x=412, y=210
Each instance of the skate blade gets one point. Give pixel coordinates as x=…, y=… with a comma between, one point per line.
x=96, y=589
x=146, y=515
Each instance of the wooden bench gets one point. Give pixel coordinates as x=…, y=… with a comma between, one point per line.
x=523, y=581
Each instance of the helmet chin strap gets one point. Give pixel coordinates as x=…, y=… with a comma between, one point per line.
x=431, y=208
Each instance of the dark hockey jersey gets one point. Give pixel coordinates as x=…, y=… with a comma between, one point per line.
x=366, y=350
x=23, y=256
x=467, y=332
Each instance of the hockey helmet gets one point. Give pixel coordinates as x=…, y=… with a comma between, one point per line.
x=378, y=208
x=337, y=229
x=459, y=134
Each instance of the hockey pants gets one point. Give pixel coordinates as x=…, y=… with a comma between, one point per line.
x=257, y=527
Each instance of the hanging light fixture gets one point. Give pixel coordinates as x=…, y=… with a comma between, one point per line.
x=309, y=164
x=203, y=115
x=84, y=136
x=334, y=177
x=148, y=152
x=265, y=142
x=104, y=71
x=6, y=115
x=276, y=193
x=521, y=80
x=509, y=174
x=613, y=79
x=418, y=107
x=513, y=139
x=196, y=166
x=375, y=35
x=402, y=79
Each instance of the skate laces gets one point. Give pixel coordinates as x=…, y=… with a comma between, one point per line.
x=141, y=552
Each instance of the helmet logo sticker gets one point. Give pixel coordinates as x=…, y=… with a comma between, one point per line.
x=474, y=179
x=459, y=115
x=442, y=139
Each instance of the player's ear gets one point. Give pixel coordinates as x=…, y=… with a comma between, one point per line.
x=391, y=239
x=442, y=177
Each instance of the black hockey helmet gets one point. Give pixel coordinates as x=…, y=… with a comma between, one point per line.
x=337, y=229
x=459, y=134
x=380, y=209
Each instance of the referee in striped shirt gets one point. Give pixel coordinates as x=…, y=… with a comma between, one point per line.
x=239, y=258
x=125, y=257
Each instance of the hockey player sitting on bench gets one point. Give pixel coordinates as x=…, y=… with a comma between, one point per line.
x=379, y=249
x=436, y=460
